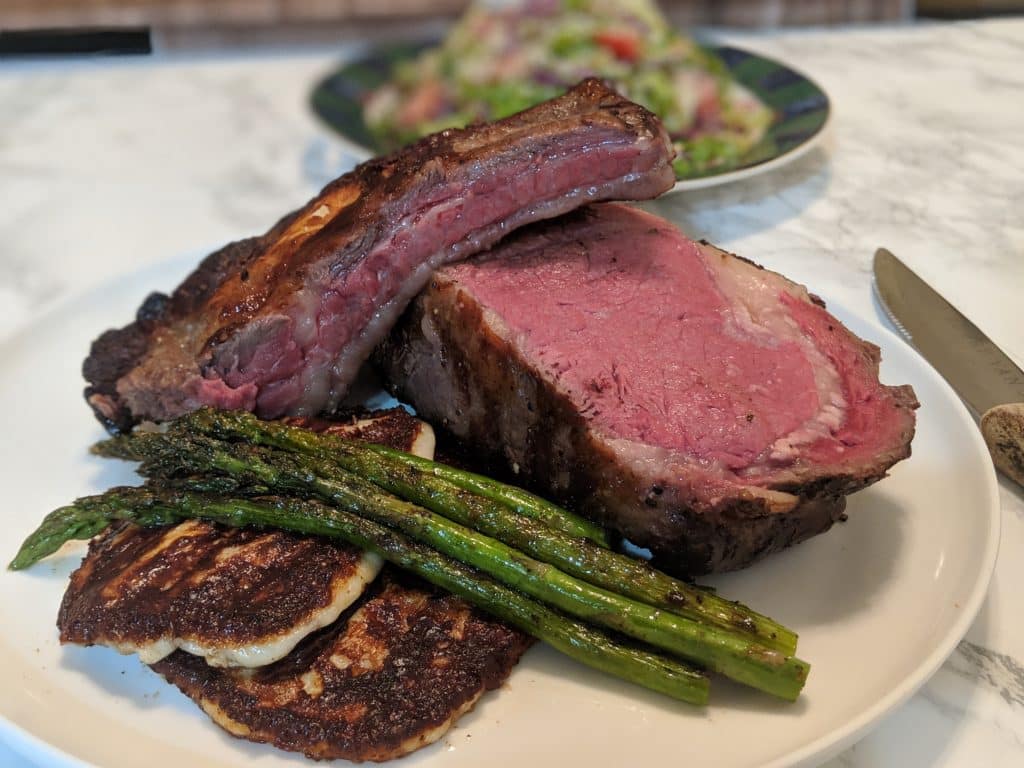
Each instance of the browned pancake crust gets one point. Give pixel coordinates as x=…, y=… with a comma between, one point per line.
x=223, y=587
x=390, y=679
x=218, y=587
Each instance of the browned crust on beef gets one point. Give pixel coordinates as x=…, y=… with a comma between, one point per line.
x=117, y=351
x=459, y=373
x=376, y=685
x=155, y=367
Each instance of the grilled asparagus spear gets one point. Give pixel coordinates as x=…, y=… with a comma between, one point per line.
x=733, y=654
x=546, y=532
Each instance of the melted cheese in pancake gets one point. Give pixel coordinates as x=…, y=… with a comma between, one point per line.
x=237, y=597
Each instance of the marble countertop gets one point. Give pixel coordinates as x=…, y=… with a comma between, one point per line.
x=109, y=166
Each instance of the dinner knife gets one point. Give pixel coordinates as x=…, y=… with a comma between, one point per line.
x=985, y=378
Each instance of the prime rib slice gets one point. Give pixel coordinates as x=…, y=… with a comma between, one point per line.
x=280, y=324
x=706, y=408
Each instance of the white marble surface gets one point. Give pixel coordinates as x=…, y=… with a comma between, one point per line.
x=106, y=167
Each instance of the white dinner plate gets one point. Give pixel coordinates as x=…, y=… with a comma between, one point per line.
x=879, y=602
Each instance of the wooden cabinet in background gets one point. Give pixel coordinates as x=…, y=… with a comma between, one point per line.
x=208, y=23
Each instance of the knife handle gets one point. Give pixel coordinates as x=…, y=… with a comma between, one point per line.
x=1003, y=429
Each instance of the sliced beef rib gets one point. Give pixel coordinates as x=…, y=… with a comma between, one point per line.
x=704, y=407
x=280, y=324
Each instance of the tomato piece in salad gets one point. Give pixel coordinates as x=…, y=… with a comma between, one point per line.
x=623, y=43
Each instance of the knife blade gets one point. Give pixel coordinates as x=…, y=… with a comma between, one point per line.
x=986, y=379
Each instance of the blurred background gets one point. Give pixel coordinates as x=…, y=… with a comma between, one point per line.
x=219, y=23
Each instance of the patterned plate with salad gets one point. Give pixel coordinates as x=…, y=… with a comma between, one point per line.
x=729, y=112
